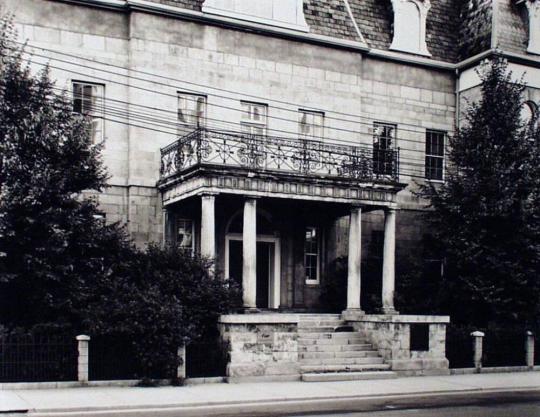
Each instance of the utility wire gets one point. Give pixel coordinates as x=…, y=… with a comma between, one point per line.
x=418, y=128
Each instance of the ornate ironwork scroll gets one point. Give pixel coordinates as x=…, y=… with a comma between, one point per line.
x=279, y=155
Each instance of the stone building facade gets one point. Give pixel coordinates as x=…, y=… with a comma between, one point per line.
x=278, y=135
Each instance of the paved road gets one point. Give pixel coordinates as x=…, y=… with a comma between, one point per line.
x=497, y=410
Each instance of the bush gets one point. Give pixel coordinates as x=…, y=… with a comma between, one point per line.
x=160, y=299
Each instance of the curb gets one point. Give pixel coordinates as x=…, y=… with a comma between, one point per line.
x=285, y=407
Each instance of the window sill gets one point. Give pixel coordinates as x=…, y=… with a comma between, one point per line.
x=313, y=283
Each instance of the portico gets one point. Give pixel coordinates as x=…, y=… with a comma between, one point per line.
x=270, y=213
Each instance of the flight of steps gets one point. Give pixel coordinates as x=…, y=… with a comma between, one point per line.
x=327, y=355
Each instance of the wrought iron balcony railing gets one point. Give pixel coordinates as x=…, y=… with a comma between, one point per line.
x=205, y=147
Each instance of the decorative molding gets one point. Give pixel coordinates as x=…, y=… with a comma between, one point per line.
x=204, y=182
x=405, y=16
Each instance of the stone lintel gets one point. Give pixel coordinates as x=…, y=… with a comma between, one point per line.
x=405, y=319
x=261, y=318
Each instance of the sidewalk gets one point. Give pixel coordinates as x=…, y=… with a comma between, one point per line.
x=248, y=399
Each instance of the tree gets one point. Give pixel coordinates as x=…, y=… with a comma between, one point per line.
x=61, y=266
x=50, y=237
x=486, y=216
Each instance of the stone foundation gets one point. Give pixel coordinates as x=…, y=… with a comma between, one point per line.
x=260, y=346
x=391, y=335
x=265, y=346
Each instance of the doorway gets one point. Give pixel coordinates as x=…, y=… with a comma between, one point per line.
x=268, y=268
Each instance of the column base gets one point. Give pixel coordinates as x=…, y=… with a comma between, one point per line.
x=251, y=310
x=390, y=311
x=353, y=311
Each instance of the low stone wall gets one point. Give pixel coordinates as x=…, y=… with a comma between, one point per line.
x=260, y=346
x=391, y=335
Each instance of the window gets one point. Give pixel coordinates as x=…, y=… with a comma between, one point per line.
x=410, y=18
x=282, y=13
x=184, y=234
x=533, y=9
x=191, y=110
x=311, y=255
x=528, y=112
x=88, y=100
x=311, y=124
x=383, y=145
x=435, y=155
x=254, y=117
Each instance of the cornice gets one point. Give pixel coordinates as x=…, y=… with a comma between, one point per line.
x=195, y=16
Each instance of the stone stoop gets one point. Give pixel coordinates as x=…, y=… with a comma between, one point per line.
x=327, y=355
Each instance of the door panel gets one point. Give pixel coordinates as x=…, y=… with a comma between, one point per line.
x=263, y=273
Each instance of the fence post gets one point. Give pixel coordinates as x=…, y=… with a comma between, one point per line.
x=82, y=363
x=181, y=371
x=529, y=349
x=477, y=349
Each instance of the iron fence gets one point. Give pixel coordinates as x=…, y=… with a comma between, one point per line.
x=504, y=347
x=279, y=155
x=204, y=360
x=459, y=346
x=38, y=358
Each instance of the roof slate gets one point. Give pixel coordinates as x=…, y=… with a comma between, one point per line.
x=456, y=29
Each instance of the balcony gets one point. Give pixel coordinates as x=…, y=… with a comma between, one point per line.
x=280, y=157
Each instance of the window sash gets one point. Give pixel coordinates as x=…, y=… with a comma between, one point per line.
x=311, y=124
x=185, y=233
x=254, y=118
x=89, y=100
x=312, y=254
x=434, y=162
x=191, y=110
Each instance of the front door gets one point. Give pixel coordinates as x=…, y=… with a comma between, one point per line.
x=265, y=270
x=264, y=257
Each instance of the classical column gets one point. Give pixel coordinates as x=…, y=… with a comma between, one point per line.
x=355, y=259
x=208, y=226
x=249, y=244
x=389, y=262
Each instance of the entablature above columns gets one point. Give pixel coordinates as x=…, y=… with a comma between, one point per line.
x=256, y=185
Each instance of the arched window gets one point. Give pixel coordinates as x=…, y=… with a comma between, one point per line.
x=410, y=26
x=528, y=111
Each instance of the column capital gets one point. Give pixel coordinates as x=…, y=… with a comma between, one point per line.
x=208, y=194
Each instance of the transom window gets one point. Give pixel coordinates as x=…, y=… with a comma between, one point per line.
x=191, y=110
x=435, y=155
x=254, y=118
x=311, y=124
x=384, y=138
x=184, y=234
x=311, y=254
x=88, y=100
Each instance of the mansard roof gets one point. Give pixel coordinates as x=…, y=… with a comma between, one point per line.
x=455, y=29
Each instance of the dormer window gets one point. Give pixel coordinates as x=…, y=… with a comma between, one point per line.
x=283, y=13
x=410, y=26
x=533, y=9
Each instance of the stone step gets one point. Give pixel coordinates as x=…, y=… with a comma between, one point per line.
x=331, y=335
x=339, y=354
x=318, y=329
x=344, y=368
x=347, y=376
x=343, y=361
x=337, y=346
x=334, y=341
x=320, y=323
